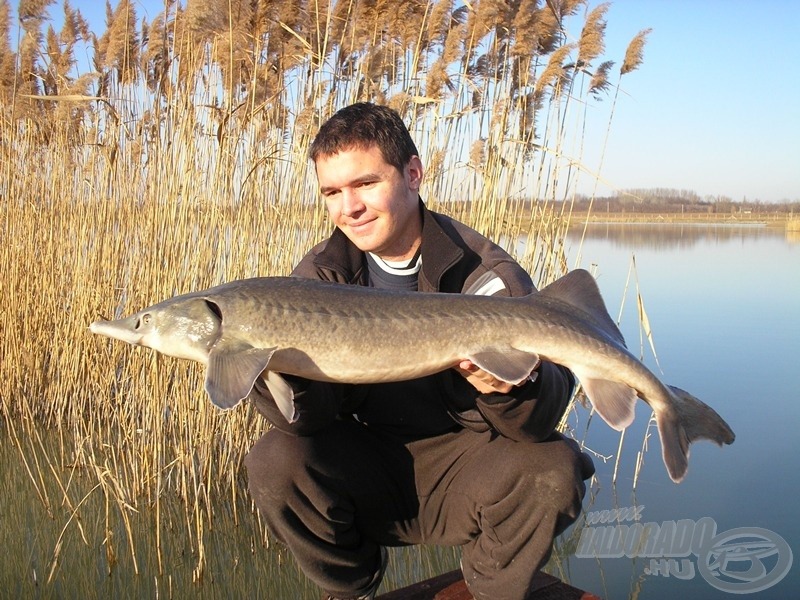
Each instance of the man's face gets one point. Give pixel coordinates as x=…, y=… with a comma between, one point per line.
x=374, y=204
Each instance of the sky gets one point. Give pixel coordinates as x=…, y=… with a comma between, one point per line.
x=713, y=108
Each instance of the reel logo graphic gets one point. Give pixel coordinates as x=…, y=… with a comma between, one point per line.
x=736, y=560
x=744, y=560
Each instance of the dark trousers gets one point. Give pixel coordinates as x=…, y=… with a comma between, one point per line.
x=333, y=498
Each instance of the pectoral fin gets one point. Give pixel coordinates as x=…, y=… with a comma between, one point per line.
x=512, y=365
x=232, y=371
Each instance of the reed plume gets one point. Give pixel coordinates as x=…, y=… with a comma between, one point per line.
x=554, y=73
x=32, y=15
x=7, y=56
x=440, y=21
x=634, y=54
x=599, y=82
x=119, y=46
x=591, y=43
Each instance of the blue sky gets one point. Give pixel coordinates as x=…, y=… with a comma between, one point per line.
x=714, y=106
x=712, y=109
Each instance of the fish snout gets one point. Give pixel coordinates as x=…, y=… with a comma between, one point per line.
x=127, y=330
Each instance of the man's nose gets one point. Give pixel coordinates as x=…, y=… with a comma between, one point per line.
x=351, y=203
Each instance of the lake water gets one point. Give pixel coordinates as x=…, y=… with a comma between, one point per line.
x=724, y=306
x=723, y=303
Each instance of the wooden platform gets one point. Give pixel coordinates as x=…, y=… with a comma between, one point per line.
x=451, y=586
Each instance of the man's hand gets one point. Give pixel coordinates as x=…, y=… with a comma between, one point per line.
x=484, y=382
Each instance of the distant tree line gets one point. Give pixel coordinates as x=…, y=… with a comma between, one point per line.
x=668, y=200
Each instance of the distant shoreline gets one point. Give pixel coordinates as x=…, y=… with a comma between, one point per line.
x=770, y=219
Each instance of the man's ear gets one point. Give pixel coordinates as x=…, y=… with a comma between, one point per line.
x=414, y=172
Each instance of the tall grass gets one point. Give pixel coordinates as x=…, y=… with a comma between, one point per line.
x=177, y=160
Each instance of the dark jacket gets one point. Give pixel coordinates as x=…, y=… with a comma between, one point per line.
x=455, y=259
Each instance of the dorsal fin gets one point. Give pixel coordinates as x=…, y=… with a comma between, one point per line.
x=579, y=289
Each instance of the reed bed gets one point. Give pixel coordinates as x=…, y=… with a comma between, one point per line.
x=178, y=160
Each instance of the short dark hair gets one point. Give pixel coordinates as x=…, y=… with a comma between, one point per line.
x=363, y=125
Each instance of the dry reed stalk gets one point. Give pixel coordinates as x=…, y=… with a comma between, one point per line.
x=632, y=60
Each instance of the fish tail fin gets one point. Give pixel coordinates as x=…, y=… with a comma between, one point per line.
x=689, y=421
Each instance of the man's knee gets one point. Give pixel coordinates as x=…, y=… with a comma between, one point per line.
x=274, y=462
x=568, y=462
x=548, y=473
x=562, y=483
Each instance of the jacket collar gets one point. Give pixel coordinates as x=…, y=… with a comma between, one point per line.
x=439, y=254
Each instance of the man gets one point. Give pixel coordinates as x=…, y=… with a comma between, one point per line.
x=456, y=458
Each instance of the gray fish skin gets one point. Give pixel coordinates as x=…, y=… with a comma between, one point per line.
x=350, y=334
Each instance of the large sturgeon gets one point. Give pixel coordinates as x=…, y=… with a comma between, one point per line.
x=351, y=334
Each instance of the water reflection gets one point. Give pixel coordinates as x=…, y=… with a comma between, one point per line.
x=87, y=548
x=656, y=236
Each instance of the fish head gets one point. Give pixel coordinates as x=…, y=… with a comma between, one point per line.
x=184, y=327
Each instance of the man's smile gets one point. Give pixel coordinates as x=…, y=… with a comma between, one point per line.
x=361, y=225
